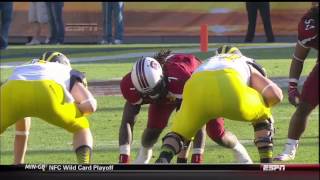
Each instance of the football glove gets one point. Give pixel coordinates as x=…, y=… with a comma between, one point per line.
x=293, y=93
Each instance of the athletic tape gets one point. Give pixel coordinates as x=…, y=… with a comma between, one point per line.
x=297, y=59
x=22, y=133
x=265, y=88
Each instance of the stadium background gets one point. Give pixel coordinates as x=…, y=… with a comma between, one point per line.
x=165, y=19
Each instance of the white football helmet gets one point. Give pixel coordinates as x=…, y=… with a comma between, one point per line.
x=147, y=76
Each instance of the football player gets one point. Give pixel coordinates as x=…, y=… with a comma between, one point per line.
x=229, y=85
x=308, y=100
x=48, y=88
x=159, y=81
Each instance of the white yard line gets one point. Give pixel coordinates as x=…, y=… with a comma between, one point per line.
x=135, y=55
x=113, y=145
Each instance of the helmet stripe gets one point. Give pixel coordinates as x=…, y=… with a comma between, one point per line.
x=53, y=56
x=139, y=74
x=44, y=56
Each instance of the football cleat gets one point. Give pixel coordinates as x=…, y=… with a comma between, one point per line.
x=288, y=154
x=124, y=159
x=144, y=157
x=162, y=161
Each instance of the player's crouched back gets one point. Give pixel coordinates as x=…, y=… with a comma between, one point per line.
x=48, y=88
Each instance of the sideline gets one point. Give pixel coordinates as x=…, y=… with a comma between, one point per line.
x=135, y=55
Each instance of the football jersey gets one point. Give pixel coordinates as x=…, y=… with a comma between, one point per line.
x=228, y=61
x=177, y=69
x=61, y=74
x=308, y=35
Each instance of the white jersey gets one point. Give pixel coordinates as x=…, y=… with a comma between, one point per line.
x=45, y=71
x=228, y=61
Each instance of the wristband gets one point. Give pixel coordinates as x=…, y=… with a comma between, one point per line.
x=293, y=80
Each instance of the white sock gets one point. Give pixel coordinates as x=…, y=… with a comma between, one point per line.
x=198, y=150
x=144, y=156
x=146, y=151
x=293, y=141
x=238, y=147
x=241, y=154
x=125, y=149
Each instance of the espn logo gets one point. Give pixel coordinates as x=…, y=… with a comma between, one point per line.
x=273, y=167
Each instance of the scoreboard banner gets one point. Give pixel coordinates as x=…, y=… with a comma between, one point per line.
x=112, y=168
x=161, y=172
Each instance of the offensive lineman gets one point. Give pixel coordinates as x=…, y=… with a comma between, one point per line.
x=308, y=100
x=48, y=88
x=229, y=85
x=159, y=81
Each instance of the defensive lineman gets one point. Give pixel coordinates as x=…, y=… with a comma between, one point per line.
x=308, y=100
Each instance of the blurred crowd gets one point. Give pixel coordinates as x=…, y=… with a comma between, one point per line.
x=49, y=15
x=44, y=15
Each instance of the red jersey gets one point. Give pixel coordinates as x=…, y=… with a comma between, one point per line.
x=177, y=69
x=308, y=37
x=307, y=32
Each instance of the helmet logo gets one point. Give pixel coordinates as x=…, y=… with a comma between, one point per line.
x=154, y=65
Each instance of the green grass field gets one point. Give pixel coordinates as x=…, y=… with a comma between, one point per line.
x=49, y=144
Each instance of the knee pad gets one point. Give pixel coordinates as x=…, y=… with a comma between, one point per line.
x=174, y=141
x=264, y=132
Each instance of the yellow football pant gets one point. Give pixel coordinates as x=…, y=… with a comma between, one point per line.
x=212, y=94
x=43, y=99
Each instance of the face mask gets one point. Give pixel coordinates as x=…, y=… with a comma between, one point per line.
x=158, y=91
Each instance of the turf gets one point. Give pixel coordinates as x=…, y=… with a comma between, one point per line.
x=49, y=144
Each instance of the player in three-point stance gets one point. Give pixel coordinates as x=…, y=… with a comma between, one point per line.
x=229, y=85
x=159, y=81
x=48, y=88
